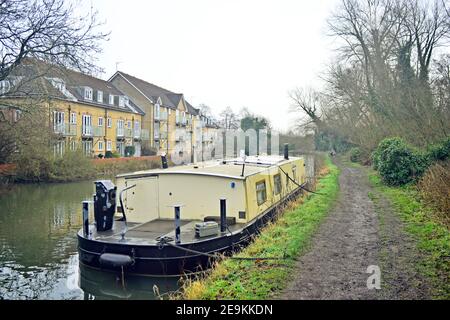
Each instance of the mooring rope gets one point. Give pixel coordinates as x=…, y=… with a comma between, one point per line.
x=299, y=185
x=166, y=241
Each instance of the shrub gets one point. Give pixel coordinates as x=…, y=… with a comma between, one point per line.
x=355, y=154
x=435, y=189
x=72, y=166
x=439, y=151
x=108, y=154
x=397, y=162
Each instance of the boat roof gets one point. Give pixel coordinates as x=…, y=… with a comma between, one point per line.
x=229, y=168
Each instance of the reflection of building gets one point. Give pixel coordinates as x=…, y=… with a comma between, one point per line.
x=169, y=118
x=85, y=112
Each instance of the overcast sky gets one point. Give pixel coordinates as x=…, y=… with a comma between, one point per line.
x=236, y=53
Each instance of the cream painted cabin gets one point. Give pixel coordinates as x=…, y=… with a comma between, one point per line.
x=199, y=188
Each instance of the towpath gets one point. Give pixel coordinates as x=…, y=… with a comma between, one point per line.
x=361, y=231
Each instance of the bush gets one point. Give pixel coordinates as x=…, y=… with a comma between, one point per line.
x=397, y=162
x=439, y=151
x=72, y=166
x=435, y=189
x=355, y=154
x=108, y=155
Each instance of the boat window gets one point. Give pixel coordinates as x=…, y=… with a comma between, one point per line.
x=261, y=194
x=294, y=172
x=277, y=184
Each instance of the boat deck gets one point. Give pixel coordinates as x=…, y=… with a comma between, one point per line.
x=147, y=233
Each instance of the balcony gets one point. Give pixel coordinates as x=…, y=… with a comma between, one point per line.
x=128, y=132
x=86, y=131
x=71, y=130
x=145, y=134
x=99, y=131
x=161, y=116
x=160, y=135
x=59, y=128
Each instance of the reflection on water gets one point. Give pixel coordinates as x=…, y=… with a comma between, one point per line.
x=38, y=258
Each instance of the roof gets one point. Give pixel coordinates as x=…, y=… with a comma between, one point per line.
x=230, y=169
x=152, y=92
x=41, y=78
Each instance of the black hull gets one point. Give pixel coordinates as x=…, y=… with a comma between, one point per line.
x=167, y=260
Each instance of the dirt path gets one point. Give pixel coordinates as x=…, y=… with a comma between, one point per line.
x=360, y=231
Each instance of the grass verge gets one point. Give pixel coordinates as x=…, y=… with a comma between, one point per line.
x=290, y=234
x=433, y=238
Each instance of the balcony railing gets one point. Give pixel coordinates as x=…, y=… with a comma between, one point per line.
x=59, y=128
x=145, y=135
x=71, y=130
x=128, y=132
x=99, y=131
x=161, y=116
x=86, y=131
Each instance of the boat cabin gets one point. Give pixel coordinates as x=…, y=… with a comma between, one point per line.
x=250, y=187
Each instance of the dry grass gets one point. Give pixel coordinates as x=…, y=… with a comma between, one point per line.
x=435, y=190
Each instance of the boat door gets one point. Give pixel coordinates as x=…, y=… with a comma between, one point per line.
x=142, y=201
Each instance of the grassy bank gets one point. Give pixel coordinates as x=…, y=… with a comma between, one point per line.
x=433, y=238
x=289, y=235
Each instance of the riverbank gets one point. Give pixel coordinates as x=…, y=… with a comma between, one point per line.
x=75, y=168
x=289, y=236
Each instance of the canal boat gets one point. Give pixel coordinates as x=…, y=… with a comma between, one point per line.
x=173, y=221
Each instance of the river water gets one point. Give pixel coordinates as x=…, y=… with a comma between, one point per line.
x=39, y=260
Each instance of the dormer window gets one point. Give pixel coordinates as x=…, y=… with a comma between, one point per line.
x=100, y=96
x=111, y=99
x=88, y=93
x=121, y=101
x=127, y=100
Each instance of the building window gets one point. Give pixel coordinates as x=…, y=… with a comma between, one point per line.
x=111, y=99
x=87, y=125
x=100, y=121
x=109, y=122
x=157, y=110
x=87, y=147
x=73, y=118
x=129, y=124
x=58, y=122
x=277, y=184
x=121, y=101
x=261, y=194
x=73, y=145
x=4, y=86
x=58, y=148
x=88, y=93
x=100, y=146
x=100, y=96
x=108, y=145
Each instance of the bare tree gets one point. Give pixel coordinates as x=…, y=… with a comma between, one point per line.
x=228, y=119
x=47, y=30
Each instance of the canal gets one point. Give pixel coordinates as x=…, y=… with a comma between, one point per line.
x=39, y=260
